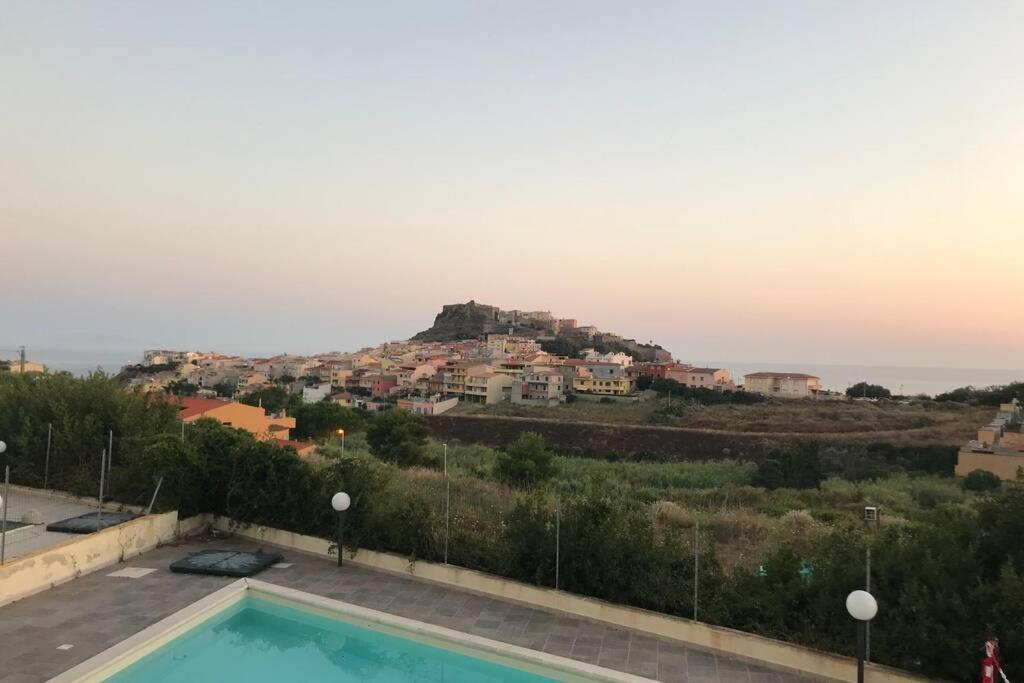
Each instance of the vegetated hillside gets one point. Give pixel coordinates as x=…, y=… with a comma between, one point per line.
x=665, y=425
x=472, y=320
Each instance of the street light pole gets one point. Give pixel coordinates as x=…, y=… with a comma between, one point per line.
x=862, y=606
x=341, y=502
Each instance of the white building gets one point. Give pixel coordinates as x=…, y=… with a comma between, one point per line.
x=783, y=384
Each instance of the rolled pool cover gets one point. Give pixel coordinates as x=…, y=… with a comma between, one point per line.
x=237, y=563
x=90, y=522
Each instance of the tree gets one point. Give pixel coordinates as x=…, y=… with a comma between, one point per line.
x=316, y=420
x=526, y=461
x=273, y=399
x=401, y=437
x=865, y=390
x=769, y=475
x=181, y=387
x=224, y=388
x=981, y=480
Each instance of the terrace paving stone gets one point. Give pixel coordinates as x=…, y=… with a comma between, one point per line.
x=95, y=611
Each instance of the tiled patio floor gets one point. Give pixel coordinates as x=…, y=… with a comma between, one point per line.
x=96, y=611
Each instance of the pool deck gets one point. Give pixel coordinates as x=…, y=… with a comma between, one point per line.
x=93, y=612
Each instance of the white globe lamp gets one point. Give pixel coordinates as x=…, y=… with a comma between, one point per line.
x=861, y=605
x=341, y=501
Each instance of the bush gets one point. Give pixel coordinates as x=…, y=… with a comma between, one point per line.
x=981, y=480
x=525, y=461
x=400, y=437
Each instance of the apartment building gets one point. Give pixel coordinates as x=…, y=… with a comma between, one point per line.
x=484, y=385
x=783, y=384
x=602, y=370
x=455, y=374
x=542, y=387
x=594, y=385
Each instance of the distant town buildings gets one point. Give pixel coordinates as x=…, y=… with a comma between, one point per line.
x=999, y=446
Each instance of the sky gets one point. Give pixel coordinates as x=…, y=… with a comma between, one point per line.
x=815, y=182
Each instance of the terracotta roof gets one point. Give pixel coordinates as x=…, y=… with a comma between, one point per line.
x=191, y=406
x=780, y=375
x=299, y=446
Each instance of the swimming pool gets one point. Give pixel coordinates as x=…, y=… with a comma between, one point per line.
x=254, y=632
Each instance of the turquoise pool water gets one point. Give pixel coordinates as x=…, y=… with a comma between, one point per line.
x=257, y=640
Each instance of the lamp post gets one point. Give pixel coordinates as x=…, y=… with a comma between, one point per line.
x=341, y=433
x=862, y=606
x=340, y=502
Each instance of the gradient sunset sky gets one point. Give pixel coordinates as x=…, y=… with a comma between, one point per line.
x=819, y=182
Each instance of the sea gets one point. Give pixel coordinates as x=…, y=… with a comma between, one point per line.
x=904, y=380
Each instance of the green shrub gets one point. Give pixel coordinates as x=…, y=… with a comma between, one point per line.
x=981, y=480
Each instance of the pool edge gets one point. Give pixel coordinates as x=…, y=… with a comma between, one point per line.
x=130, y=650
x=135, y=647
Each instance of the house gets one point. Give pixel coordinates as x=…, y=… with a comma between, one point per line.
x=410, y=373
x=435, y=405
x=16, y=366
x=654, y=370
x=623, y=359
x=484, y=385
x=702, y=378
x=305, y=449
x=783, y=384
x=233, y=414
x=342, y=398
x=316, y=393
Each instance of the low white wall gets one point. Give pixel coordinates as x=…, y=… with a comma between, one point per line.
x=83, y=554
x=729, y=641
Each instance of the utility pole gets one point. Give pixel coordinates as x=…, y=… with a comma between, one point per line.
x=21, y=356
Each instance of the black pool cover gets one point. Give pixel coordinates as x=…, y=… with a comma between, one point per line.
x=90, y=522
x=225, y=562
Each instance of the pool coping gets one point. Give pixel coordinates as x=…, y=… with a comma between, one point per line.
x=133, y=648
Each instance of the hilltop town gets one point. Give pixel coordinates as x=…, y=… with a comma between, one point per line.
x=474, y=353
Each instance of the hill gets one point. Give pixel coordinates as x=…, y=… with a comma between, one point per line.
x=562, y=336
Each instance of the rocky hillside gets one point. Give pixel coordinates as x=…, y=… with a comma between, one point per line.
x=472, y=320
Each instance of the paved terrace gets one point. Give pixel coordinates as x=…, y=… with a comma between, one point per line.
x=96, y=611
x=36, y=509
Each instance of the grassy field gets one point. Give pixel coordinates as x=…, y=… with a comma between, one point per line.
x=915, y=422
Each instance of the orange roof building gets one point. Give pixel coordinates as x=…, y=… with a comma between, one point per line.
x=234, y=414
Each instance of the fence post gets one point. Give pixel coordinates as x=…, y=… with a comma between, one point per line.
x=696, y=567
x=3, y=528
x=558, y=539
x=103, y=471
x=46, y=469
